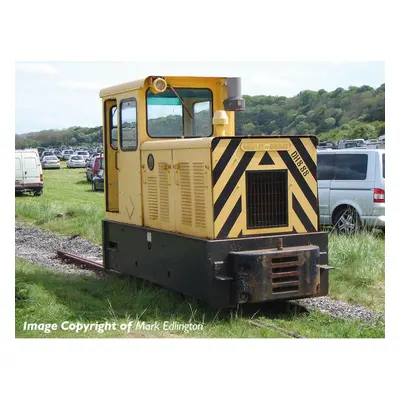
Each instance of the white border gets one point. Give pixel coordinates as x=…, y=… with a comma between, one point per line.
x=307, y=30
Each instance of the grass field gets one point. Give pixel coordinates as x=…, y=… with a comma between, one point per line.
x=68, y=206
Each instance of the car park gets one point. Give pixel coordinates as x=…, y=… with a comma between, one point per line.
x=28, y=172
x=351, y=188
x=76, y=161
x=50, y=162
x=94, y=167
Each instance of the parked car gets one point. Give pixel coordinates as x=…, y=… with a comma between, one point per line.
x=41, y=150
x=347, y=144
x=50, y=162
x=76, y=161
x=89, y=160
x=28, y=172
x=351, y=188
x=94, y=167
x=98, y=180
x=58, y=154
x=360, y=142
x=47, y=153
x=83, y=153
x=66, y=154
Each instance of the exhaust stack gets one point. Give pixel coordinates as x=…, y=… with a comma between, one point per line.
x=234, y=102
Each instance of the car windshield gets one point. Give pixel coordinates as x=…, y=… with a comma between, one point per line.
x=77, y=158
x=83, y=153
x=51, y=158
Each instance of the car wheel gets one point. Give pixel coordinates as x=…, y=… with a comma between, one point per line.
x=38, y=192
x=347, y=221
x=93, y=187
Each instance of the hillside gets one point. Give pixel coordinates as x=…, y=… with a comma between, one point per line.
x=358, y=112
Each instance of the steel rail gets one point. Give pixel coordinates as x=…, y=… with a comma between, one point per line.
x=96, y=266
x=264, y=324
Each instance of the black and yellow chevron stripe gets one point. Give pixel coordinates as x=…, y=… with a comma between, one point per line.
x=233, y=156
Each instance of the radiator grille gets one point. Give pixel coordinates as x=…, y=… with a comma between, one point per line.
x=267, y=199
x=186, y=193
x=164, y=192
x=153, y=197
x=199, y=195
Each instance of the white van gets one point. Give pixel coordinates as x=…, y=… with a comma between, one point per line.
x=28, y=172
x=351, y=188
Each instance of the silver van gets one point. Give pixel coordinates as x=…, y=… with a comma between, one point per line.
x=351, y=188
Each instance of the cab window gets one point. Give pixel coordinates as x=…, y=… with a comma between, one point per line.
x=113, y=128
x=128, y=125
x=179, y=113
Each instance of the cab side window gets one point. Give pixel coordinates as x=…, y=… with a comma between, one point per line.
x=113, y=128
x=128, y=129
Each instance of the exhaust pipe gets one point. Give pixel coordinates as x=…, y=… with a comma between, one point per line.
x=234, y=102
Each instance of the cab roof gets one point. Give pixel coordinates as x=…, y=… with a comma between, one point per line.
x=140, y=83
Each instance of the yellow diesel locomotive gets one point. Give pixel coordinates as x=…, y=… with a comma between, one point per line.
x=194, y=208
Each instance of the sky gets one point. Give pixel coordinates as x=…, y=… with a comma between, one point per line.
x=57, y=95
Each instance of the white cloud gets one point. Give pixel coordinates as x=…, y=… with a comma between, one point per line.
x=76, y=85
x=37, y=68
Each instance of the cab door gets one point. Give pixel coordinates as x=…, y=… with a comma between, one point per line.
x=111, y=155
x=128, y=162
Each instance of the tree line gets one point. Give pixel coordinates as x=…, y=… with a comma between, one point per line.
x=356, y=112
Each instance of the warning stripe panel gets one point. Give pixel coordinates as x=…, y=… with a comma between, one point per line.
x=230, y=221
x=299, y=178
x=230, y=166
x=223, y=161
x=232, y=182
x=304, y=154
x=303, y=217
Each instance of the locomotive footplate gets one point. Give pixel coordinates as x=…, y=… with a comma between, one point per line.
x=273, y=274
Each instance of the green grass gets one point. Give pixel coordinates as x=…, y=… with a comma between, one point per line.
x=68, y=206
x=359, y=274
x=47, y=297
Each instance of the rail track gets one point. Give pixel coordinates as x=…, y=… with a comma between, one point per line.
x=83, y=262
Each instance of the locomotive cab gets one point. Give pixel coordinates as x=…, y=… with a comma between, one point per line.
x=194, y=208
